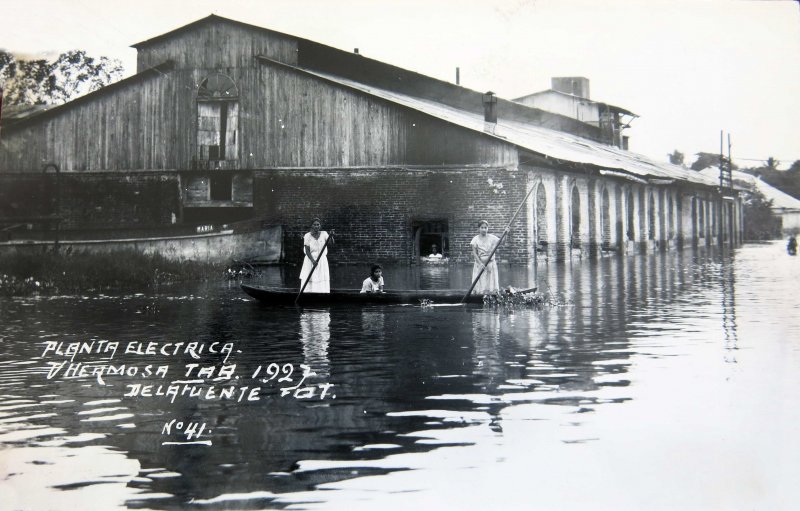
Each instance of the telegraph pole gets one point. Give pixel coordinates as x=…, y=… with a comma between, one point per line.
x=725, y=188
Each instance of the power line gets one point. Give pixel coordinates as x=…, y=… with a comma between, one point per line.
x=767, y=158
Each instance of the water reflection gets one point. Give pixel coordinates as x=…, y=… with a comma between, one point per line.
x=315, y=335
x=419, y=391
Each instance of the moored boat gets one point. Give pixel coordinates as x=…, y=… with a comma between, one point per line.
x=275, y=295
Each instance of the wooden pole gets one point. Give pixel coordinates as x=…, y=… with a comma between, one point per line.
x=505, y=232
x=308, y=279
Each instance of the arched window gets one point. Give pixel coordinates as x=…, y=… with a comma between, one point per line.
x=541, y=214
x=217, y=118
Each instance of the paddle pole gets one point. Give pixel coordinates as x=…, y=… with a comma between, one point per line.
x=505, y=231
x=308, y=279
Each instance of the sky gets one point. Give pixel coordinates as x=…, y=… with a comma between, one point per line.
x=688, y=68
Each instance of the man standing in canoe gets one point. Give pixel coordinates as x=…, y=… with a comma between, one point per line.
x=482, y=246
x=313, y=243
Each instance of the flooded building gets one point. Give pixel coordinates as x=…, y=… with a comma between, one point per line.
x=225, y=121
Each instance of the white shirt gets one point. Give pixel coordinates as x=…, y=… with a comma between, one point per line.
x=370, y=286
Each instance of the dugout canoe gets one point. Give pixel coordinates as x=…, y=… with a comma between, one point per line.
x=275, y=295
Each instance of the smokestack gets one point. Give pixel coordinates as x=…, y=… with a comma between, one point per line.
x=489, y=107
x=489, y=112
x=458, y=76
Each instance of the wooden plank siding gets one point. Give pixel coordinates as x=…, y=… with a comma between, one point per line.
x=148, y=125
x=217, y=45
x=305, y=121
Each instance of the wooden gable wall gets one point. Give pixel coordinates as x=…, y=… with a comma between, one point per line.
x=214, y=45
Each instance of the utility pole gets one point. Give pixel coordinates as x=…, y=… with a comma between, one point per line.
x=725, y=188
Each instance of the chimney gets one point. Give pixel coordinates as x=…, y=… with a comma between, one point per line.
x=489, y=107
x=489, y=112
x=575, y=85
x=458, y=76
x=355, y=50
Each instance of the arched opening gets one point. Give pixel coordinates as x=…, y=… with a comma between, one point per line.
x=670, y=217
x=701, y=216
x=541, y=216
x=629, y=210
x=651, y=217
x=575, y=218
x=661, y=214
x=642, y=216
x=605, y=220
x=618, y=215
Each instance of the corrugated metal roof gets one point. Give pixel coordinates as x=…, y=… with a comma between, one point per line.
x=779, y=198
x=546, y=142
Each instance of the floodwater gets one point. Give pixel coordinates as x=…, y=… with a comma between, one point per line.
x=657, y=382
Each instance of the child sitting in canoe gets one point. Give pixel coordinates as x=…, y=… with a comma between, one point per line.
x=373, y=283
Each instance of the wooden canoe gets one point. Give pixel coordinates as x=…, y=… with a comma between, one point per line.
x=276, y=295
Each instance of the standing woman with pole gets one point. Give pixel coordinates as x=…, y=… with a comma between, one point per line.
x=483, y=262
x=314, y=275
x=485, y=267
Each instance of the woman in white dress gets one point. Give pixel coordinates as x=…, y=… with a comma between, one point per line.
x=313, y=241
x=482, y=245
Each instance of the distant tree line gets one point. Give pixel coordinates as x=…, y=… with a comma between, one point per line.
x=52, y=82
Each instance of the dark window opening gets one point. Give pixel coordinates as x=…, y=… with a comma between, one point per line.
x=428, y=234
x=221, y=187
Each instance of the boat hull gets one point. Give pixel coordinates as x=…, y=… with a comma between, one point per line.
x=288, y=296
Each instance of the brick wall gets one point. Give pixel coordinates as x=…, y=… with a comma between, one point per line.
x=373, y=211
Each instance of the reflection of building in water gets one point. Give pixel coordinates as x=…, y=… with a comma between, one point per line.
x=434, y=276
x=728, y=283
x=486, y=333
x=315, y=334
x=372, y=321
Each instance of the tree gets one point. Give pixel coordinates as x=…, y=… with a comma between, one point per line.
x=760, y=223
x=795, y=166
x=76, y=73
x=786, y=181
x=676, y=157
x=705, y=160
x=40, y=82
x=772, y=163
